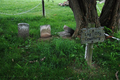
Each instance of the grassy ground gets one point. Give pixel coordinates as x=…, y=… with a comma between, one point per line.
x=55, y=59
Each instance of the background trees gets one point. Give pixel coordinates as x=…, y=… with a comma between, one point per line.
x=110, y=15
x=85, y=12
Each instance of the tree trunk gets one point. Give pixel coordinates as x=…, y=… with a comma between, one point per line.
x=84, y=12
x=109, y=16
x=118, y=18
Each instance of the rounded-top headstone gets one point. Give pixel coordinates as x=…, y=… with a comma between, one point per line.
x=23, y=30
x=45, y=31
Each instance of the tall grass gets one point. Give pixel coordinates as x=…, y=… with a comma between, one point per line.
x=55, y=59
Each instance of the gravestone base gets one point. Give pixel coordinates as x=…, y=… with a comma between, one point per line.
x=68, y=32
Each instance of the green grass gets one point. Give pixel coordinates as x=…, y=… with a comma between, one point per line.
x=63, y=59
x=99, y=8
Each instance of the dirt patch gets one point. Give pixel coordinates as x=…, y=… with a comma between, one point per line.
x=45, y=39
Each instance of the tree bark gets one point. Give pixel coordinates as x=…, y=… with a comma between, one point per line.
x=84, y=12
x=118, y=18
x=110, y=15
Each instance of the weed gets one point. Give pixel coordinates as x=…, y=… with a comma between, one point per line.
x=56, y=59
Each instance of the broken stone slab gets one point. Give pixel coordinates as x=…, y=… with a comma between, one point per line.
x=68, y=32
x=45, y=31
x=23, y=30
x=64, y=34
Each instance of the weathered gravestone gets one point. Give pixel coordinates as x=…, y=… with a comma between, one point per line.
x=23, y=30
x=45, y=31
x=67, y=32
x=64, y=34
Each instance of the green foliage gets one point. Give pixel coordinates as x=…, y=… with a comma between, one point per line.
x=56, y=59
x=117, y=34
x=107, y=30
x=109, y=53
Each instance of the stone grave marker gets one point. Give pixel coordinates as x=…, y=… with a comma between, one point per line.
x=68, y=32
x=23, y=30
x=45, y=31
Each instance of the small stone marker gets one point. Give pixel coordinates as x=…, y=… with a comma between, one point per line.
x=45, y=31
x=23, y=30
x=92, y=35
x=68, y=29
x=68, y=32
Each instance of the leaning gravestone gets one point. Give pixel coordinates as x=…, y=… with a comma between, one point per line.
x=45, y=31
x=23, y=30
x=64, y=34
x=67, y=32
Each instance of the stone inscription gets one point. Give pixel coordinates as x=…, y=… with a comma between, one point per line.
x=92, y=35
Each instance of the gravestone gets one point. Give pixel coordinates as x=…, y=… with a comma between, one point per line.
x=68, y=32
x=23, y=30
x=45, y=31
x=64, y=34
